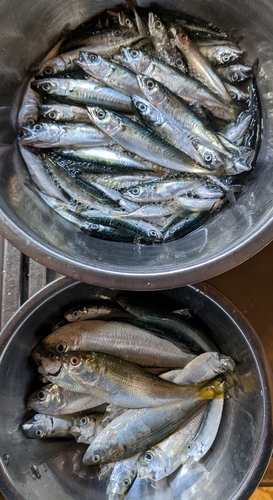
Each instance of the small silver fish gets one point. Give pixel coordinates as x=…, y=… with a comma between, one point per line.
x=83, y=92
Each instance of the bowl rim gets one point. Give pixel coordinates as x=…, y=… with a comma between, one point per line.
x=264, y=449
x=109, y=278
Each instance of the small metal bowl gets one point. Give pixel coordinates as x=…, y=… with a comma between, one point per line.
x=32, y=469
x=224, y=241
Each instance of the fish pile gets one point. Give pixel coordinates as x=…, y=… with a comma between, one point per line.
x=140, y=124
x=141, y=385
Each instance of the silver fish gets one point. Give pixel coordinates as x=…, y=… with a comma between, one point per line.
x=28, y=112
x=109, y=73
x=235, y=73
x=156, y=191
x=50, y=135
x=183, y=85
x=40, y=175
x=165, y=127
x=122, y=477
x=182, y=223
x=160, y=37
x=116, y=161
x=123, y=383
x=136, y=430
x=119, y=339
x=235, y=132
x=92, y=311
x=86, y=427
x=207, y=432
x=53, y=400
x=198, y=66
x=122, y=37
x=236, y=93
x=137, y=139
x=165, y=457
x=83, y=92
x=45, y=426
x=204, y=367
x=219, y=54
x=170, y=105
x=180, y=329
x=64, y=113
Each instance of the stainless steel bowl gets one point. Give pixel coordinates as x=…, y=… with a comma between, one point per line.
x=33, y=469
x=27, y=31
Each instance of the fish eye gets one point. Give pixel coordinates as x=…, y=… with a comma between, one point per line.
x=233, y=95
x=93, y=57
x=128, y=22
x=46, y=86
x=52, y=115
x=48, y=70
x=153, y=232
x=52, y=356
x=141, y=106
x=101, y=114
x=223, y=368
x=179, y=61
x=30, y=121
x=75, y=360
x=126, y=482
x=39, y=433
x=235, y=77
x=208, y=158
x=158, y=24
x=189, y=447
x=117, y=33
x=96, y=459
x=61, y=346
x=135, y=191
x=94, y=226
x=150, y=84
x=41, y=395
x=76, y=314
x=226, y=58
x=149, y=456
x=38, y=127
x=84, y=420
x=134, y=53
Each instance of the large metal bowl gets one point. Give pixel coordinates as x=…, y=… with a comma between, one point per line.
x=33, y=469
x=27, y=31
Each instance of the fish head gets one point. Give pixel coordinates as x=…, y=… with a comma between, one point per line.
x=60, y=341
x=38, y=427
x=46, y=399
x=107, y=121
x=77, y=364
x=177, y=60
x=134, y=59
x=125, y=20
x=180, y=37
x=152, y=89
x=92, y=63
x=45, y=85
x=146, y=110
x=156, y=27
x=52, y=67
x=209, y=191
x=76, y=314
x=50, y=364
x=221, y=363
x=49, y=111
x=39, y=133
x=151, y=463
x=121, y=479
x=84, y=428
x=98, y=453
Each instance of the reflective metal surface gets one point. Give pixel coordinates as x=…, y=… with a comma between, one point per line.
x=27, y=31
x=33, y=469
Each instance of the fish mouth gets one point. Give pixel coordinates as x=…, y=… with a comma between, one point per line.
x=45, y=373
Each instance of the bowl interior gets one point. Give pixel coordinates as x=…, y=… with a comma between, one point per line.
x=227, y=239
x=32, y=469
